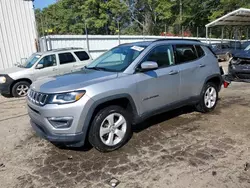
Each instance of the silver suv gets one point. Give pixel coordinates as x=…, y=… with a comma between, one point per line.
x=16, y=81
x=121, y=88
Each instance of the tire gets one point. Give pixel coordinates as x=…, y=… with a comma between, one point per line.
x=211, y=103
x=20, y=89
x=105, y=121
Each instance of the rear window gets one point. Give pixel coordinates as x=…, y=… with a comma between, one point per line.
x=66, y=58
x=200, y=51
x=185, y=53
x=83, y=56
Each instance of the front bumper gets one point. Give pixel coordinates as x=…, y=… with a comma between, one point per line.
x=75, y=133
x=6, y=87
x=62, y=138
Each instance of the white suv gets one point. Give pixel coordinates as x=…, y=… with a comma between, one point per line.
x=17, y=80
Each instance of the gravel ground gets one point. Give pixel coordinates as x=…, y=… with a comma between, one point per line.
x=181, y=148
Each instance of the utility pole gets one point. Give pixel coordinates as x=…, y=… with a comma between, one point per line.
x=180, y=14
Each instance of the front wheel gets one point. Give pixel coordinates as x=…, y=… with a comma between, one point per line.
x=209, y=98
x=20, y=89
x=110, y=129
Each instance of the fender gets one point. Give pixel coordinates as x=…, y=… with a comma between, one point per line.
x=101, y=101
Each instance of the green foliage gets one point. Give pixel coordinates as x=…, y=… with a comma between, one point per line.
x=131, y=16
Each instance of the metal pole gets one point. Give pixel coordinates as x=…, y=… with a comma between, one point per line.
x=165, y=32
x=222, y=34
x=182, y=33
x=206, y=34
x=180, y=12
x=118, y=23
x=143, y=31
x=197, y=34
x=87, y=37
x=210, y=35
x=247, y=33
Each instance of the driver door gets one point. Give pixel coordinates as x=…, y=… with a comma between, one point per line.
x=159, y=88
x=50, y=67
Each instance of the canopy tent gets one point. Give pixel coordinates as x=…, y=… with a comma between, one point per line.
x=239, y=17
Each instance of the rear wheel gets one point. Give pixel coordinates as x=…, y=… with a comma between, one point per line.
x=20, y=89
x=209, y=98
x=110, y=129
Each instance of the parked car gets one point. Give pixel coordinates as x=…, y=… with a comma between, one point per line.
x=239, y=66
x=17, y=80
x=121, y=88
x=223, y=51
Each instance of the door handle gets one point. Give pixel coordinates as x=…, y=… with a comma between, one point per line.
x=54, y=69
x=202, y=65
x=173, y=72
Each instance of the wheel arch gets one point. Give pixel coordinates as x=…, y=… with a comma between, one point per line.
x=19, y=80
x=216, y=79
x=124, y=100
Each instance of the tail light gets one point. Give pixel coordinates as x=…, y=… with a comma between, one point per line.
x=226, y=84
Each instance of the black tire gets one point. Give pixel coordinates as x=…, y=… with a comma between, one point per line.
x=94, y=132
x=201, y=106
x=15, y=91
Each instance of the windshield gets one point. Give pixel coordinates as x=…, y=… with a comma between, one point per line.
x=247, y=48
x=117, y=59
x=31, y=61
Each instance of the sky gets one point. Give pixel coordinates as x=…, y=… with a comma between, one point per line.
x=43, y=3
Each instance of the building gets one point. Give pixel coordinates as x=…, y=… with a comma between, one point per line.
x=18, y=33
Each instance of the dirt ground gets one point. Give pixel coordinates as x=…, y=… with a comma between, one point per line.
x=181, y=148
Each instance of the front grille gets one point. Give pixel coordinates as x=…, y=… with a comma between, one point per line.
x=37, y=98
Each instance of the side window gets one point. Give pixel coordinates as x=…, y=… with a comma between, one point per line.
x=66, y=58
x=48, y=61
x=162, y=55
x=185, y=53
x=200, y=51
x=83, y=56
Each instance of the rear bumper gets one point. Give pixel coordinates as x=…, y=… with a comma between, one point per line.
x=60, y=138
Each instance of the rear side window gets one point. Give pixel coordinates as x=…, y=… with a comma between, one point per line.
x=66, y=58
x=200, y=51
x=83, y=56
x=185, y=53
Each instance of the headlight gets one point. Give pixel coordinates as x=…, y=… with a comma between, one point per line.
x=65, y=98
x=2, y=80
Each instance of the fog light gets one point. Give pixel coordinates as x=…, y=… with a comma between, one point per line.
x=61, y=122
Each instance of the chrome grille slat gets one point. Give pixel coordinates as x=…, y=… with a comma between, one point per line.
x=37, y=98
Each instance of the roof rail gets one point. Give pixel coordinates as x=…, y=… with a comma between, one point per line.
x=196, y=40
x=63, y=49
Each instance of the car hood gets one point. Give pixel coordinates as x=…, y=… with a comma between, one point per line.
x=71, y=82
x=11, y=70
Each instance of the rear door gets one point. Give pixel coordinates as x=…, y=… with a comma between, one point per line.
x=83, y=59
x=66, y=62
x=192, y=69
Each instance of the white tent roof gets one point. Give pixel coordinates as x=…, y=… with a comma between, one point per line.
x=240, y=17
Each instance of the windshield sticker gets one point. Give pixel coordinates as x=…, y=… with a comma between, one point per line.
x=137, y=48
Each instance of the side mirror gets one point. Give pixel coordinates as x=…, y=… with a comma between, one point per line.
x=149, y=65
x=39, y=66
